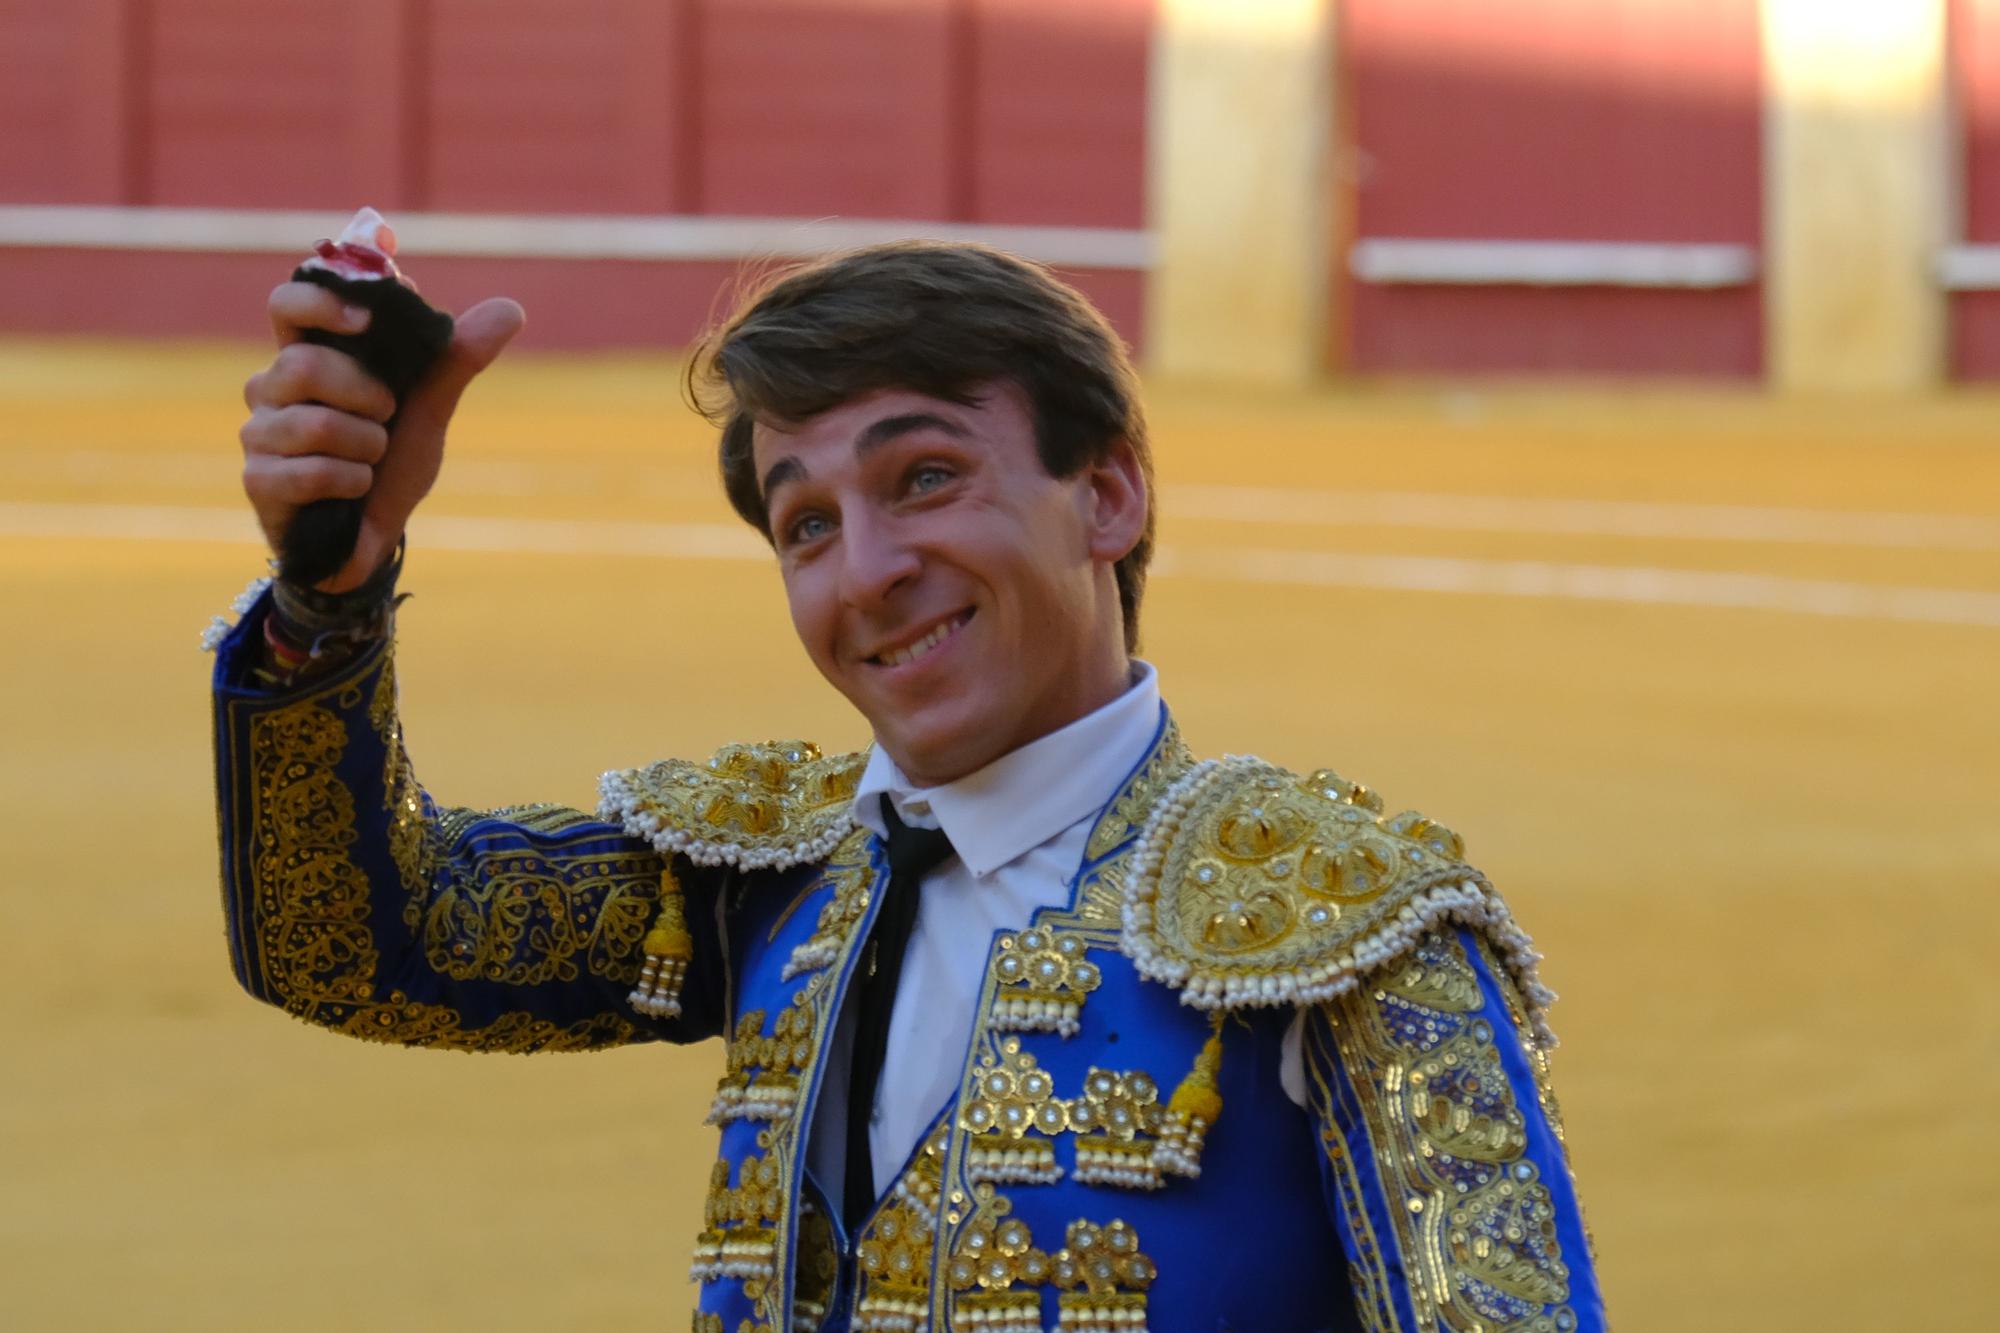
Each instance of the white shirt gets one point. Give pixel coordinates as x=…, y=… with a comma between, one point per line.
x=1018, y=828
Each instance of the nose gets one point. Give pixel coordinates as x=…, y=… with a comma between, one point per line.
x=876, y=560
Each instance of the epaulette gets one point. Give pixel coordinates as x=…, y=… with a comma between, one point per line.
x=754, y=807
x=1253, y=886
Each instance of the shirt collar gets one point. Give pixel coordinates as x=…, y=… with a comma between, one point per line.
x=1028, y=795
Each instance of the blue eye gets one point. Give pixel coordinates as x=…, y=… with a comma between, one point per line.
x=808, y=528
x=929, y=477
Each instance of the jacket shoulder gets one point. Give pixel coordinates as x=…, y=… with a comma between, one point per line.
x=1251, y=886
x=754, y=807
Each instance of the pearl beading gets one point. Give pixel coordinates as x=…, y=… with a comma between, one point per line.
x=736, y=1255
x=768, y=1097
x=1032, y=1162
x=1453, y=894
x=891, y=1315
x=219, y=626
x=622, y=802
x=1178, y=1151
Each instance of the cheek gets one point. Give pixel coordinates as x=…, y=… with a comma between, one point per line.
x=813, y=612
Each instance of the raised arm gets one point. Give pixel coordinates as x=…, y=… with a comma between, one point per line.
x=354, y=901
x=1442, y=1152
x=357, y=903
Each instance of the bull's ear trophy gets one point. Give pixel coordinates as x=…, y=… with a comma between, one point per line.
x=405, y=337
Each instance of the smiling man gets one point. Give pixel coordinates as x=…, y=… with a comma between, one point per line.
x=1034, y=1020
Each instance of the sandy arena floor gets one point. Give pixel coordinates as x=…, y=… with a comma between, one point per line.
x=1736, y=768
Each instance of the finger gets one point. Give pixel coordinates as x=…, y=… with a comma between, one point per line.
x=297, y=306
x=310, y=373
x=308, y=428
x=477, y=339
x=271, y=480
x=371, y=549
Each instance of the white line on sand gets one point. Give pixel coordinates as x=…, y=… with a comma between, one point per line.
x=471, y=478
x=1588, y=583
x=1395, y=573
x=1582, y=518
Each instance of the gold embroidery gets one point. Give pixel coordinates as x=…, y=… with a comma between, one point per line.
x=1106, y=1276
x=761, y=1082
x=750, y=806
x=1094, y=916
x=1538, y=1057
x=1251, y=886
x=992, y=1256
x=517, y=917
x=1477, y=1229
x=1043, y=979
x=523, y=918
x=1118, y=1120
x=739, y=1235
x=853, y=878
x=818, y=1268
x=761, y=1074
x=1125, y=1137
x=1168, y=762
x=452, y=822
x=311, y=900
x=895, y=1248
x=1374, y=1303
x=407, y=834
x=1013, y=1114
x=407, y=1023
x=1101, y=1273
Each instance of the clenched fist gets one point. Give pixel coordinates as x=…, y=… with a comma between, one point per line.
x=316, y=429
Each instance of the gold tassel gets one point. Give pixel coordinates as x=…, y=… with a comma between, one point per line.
x=669, y=949
x=1192, y=1111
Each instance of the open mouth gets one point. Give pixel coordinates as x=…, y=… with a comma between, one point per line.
x=924, y=646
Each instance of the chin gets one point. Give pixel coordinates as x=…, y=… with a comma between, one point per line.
x=940, y=750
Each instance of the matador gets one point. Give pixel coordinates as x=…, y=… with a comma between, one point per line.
x=1034, y=1020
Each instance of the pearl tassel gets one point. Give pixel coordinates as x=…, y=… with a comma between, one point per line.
x=669, y=949
x=1192, y=1111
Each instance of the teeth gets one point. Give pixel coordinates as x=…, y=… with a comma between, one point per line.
x=921, y=646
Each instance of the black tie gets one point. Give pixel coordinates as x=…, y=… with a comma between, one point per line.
x=912, y=854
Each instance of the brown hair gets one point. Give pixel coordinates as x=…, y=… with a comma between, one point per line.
x=939, y=319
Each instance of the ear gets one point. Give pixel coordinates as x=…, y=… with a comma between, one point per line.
x=1118, y=502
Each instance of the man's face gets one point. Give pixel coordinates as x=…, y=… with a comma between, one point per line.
x=958, y=595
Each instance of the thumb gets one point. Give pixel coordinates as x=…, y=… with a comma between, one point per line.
x=477, y=339
x=416, y=450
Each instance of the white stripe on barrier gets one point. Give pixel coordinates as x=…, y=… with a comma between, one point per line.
x=551, y=236
x=1969, y=268
x=1410, y=260
x=1392, y=573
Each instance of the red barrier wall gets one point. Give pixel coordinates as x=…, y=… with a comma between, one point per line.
x=66, y=100
x=1005, y=111
x=1586, y=120
x=1975, y=44
x=1056, y=95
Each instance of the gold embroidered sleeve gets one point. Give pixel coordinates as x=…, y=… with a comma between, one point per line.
x=1442, y=1164
x=356, y=903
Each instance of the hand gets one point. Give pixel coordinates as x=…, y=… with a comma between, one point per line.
x=317, y=422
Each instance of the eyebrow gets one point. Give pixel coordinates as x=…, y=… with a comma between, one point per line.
x=877, y=434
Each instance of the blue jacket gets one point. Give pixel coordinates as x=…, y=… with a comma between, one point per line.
x=1120, y=1155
